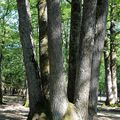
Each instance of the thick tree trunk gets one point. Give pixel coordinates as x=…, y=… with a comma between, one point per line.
x=32, y=70
x=73, y=46
x=43, y=45
x=58, y=93
x=101, y=15
x=108, y=82
x=82, y=84
x=113, y=64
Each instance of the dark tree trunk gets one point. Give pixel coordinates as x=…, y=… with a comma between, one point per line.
x=108, y=82
x=43, y=45
x=58, y=93
x=82, y=84
x=73, y=46
x=31, y=66
x=101, y=16
x=1, y=75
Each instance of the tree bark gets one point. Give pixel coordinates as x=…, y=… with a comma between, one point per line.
x=43, y=46
x=108, y=82
x=58, y=93
x=31, y=66
x=82, y=84
x=113, y=64
x=1, y=75
x=73, y=46
x=101, y=16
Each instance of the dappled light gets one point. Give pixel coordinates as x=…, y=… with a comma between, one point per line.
x=60, y=60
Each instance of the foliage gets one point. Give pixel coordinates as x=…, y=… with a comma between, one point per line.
x=12, y=63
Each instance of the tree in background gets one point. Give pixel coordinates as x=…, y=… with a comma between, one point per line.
x=101, y=19
x=43, y=45
x=111, y=82
x=0, y=75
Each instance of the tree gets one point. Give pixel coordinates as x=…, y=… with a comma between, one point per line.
x=43, y=45
x=58, y=98
x=113, y=64
x=108, y=82
x=73, y=46
x=0, y=76
x=101, y=16
x=82, y=85
x=31, y=66
x=111, y=83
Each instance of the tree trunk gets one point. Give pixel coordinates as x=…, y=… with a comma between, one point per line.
x=58, y=98
x=108, y=82
x=73, y=46
x=101, y=15
x=113, y=64
x=43, y=45
x=31, y=66
x=82, y=84
x=0, y=75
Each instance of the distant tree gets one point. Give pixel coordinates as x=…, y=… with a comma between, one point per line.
x=111, y=83
x=101, y=19
x=0, y=76
x=73, y=46
x=108, y=82
x=113, y=58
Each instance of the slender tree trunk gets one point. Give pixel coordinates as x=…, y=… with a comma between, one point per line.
x=0, y=75
x=27, y=95
x=43, y=45
x=108, y=82
x=113, y=64
x=82, y=84
x=73, y=46
x=58, y=93
x=31, y=66
x=101, y=15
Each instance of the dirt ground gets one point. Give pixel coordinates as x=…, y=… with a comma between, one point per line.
x=13, y=109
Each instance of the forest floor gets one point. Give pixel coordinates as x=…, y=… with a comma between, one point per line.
x=13, y=109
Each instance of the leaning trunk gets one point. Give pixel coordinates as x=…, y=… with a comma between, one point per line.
x=101, y=15
x=73, y=47
x=31, y=66
x=58, y=99
x=82, y=84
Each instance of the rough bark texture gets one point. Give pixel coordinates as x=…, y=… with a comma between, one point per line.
x=101, y=15
x=113, y=64
x=108, y=82
x=82, y=84
x=32, y=70
x=58, y=94
x=74, y=42
x=43, y=46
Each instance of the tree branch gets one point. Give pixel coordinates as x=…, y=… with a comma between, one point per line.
x=68, y=1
